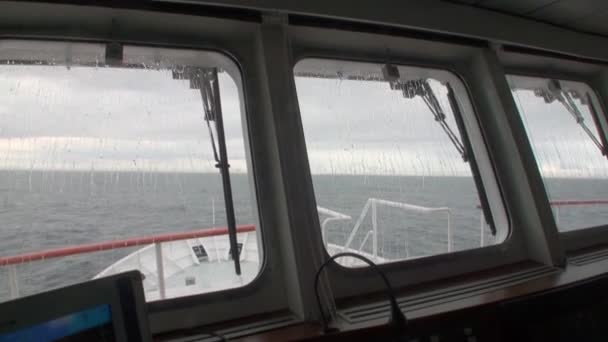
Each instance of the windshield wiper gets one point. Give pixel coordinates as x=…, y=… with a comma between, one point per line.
x=465, y=148
x=554, y=91
x=205, y=79
x=422, y=88
x=483, y=198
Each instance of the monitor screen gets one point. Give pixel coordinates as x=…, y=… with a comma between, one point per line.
x=94, y=324
x=109, y=309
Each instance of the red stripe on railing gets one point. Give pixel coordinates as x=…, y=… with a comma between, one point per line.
x=577, y=202
x=116, y=244
x=560, y=203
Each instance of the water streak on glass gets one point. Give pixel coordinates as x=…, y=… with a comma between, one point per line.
x=573, y=168
x=96, y=153
x=366, y=141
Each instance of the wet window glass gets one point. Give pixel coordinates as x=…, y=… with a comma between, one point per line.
x=562, y=120
x=111, y=163
x=394, y=175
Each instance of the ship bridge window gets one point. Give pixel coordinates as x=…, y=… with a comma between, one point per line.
x=392, y=152
x=116, y=158
x=563, y=120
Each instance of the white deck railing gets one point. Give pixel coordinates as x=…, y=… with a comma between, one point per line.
x=373, y=203
x=11, y=262
x=555, y=205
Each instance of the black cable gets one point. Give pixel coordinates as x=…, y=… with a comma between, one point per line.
x=397, y=319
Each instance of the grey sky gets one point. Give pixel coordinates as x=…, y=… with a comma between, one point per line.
x=86, y=118
x=364, y=127
x=562, y=148
x=116, y=119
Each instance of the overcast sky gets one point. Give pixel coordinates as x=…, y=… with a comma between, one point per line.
x=561, y=146
x=110, y=119
x=127, y=119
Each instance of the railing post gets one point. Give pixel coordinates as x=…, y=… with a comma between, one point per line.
x=13, y=281
x=333, y=216
x=375, y=231
x=353, y=232
x=160, y=269
x=323, y=233
x=364, y=240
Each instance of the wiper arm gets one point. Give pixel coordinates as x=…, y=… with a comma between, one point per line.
x=206, y=80
x=485, y=204
x=555, y=92
x=422, y=88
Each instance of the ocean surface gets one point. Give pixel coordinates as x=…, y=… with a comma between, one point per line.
x=50, y=209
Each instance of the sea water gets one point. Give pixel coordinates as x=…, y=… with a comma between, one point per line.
x=42, y=210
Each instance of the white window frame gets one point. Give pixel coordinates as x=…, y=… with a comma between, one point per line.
x=564, y=69
x=470, y=62
x=266, y=54
x=371, y=69
x=239, y=40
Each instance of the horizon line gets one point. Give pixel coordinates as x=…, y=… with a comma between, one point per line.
x=241, y=172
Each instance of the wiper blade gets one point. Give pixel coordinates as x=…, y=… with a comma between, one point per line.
x=422, y=88
x=206, y=80
x=485, y=204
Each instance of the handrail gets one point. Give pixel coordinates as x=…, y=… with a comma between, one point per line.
x=559, y=203
x=333, y=216
x=563, y=203
x=374, y=202
x=117, y=244
x=554, y=203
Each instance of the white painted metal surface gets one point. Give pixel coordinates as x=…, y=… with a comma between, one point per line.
x=13, y=281
x=183, y=272
x=373, y=204
x=173, y=269
x=201, y=265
